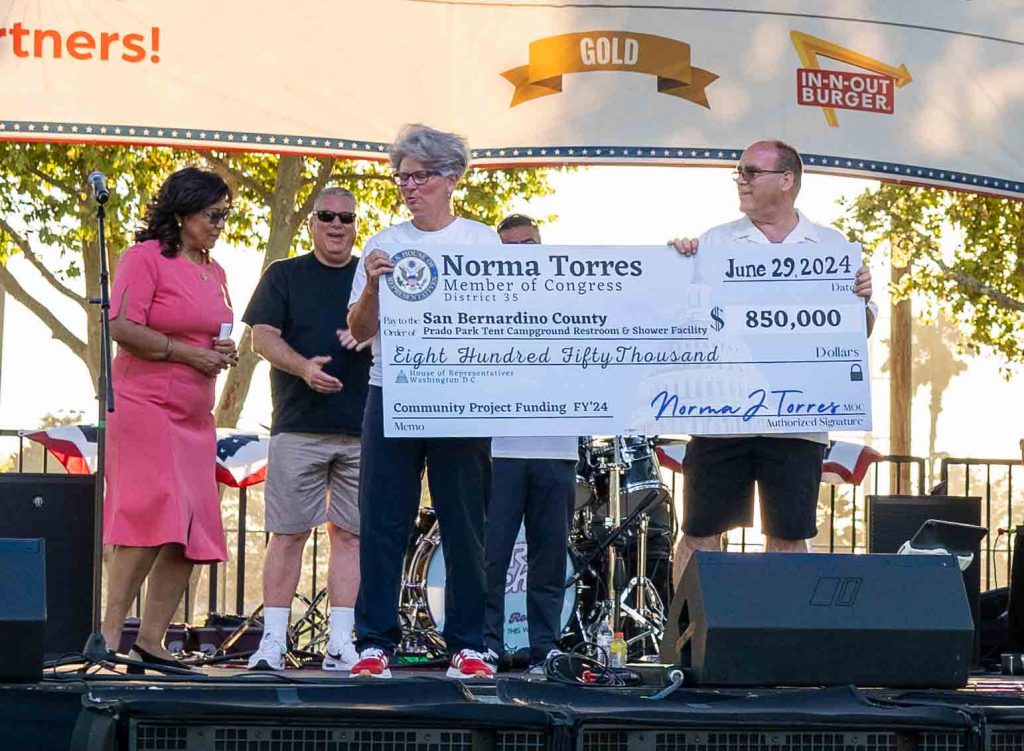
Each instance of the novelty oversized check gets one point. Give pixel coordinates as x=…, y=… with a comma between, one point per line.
x=576, y=340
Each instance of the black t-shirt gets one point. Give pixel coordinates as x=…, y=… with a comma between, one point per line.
x=308, y=302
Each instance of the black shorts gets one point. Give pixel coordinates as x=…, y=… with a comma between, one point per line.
x=719, y=491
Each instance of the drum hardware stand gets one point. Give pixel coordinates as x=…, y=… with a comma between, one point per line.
x=649, y=612
x=311, y=631
x=613, y=535
x=615, y=513
x=313, y=625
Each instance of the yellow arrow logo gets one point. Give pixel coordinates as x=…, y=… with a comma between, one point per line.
x=809, y=48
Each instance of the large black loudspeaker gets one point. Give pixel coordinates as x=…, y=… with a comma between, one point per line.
x=59, y=509
x=795, y=619
x=22, y=609
x=894, y=519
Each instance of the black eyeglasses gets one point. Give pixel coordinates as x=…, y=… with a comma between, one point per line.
x=420, y=177
x=752, y=173
x=216, y=216
x=345, y=217
x=528, y=241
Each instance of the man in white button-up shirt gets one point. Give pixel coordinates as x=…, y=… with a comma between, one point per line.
x=721, y=471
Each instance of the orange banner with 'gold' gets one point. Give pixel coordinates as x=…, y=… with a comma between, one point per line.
x=553, y=57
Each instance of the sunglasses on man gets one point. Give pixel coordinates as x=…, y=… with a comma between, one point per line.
x=345, y=217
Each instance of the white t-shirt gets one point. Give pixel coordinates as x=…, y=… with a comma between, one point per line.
x=744, y=231
x=459, y=232
x=535, y=447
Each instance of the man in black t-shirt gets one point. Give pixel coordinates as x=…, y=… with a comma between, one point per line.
x=318, y=382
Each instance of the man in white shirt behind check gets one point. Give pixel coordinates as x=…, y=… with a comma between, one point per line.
x=533, y=482
x=721, y=471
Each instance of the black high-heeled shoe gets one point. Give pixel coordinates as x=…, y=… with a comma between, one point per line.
x=141, y=655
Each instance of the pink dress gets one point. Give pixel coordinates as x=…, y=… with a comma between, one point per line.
x=161, y=439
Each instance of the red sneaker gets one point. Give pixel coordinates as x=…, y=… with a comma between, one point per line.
x=372, y=663
x=469, y=664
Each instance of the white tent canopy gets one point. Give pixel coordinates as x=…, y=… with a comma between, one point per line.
x=927, y=91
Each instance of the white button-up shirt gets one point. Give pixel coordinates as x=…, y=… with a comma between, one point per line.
x=745, y=231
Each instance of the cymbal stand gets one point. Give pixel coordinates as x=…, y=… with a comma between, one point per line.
x=615, y=517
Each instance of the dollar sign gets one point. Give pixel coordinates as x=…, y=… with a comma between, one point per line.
x=717, y=321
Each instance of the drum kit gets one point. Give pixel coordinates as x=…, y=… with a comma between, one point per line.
x=619, y=553
x=618, y=565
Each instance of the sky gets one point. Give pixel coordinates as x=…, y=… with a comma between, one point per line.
x=594, y=206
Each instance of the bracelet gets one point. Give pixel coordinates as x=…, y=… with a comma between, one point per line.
x=167, y=348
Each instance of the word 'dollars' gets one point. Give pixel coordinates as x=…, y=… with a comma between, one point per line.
x=54, y=44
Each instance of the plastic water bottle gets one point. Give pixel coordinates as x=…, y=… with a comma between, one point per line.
x=603, y=637
x=617, y=651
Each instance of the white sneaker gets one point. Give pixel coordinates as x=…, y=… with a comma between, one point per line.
x=340, y=656
x=541, y=668
x=270, y=655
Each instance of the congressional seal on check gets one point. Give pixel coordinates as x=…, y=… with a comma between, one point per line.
x=578, y=340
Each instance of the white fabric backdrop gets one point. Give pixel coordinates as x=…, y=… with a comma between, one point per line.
x=341, y=77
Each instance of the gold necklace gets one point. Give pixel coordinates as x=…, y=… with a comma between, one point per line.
x=202, y=262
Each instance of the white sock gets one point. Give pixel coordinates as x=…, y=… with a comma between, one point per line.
x=275, y=622
x=342, y=622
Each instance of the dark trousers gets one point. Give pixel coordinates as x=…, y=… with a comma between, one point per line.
x=541, y=490
x=389, y=494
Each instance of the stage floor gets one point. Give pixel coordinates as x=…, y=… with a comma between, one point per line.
x=230, y=709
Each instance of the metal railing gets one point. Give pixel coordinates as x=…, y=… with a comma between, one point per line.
x=842, y=509
x=994, y=481
x=842, y=520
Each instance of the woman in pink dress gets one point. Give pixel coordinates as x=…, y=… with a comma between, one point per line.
x=162, y=509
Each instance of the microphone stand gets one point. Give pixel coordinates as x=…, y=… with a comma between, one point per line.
x=96, y=648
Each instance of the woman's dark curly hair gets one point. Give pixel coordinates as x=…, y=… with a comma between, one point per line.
x=185, y=192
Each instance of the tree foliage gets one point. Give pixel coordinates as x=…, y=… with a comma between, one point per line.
x=977, y=280
x=46, y=213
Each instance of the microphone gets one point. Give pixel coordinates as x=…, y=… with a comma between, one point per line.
x=97, y=181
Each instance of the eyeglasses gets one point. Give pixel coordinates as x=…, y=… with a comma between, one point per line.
x=345, y=217
x=216, y=216
x=752, y=173
x=527, y=241
x=420, y=177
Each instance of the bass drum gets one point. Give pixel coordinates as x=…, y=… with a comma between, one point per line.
x=517, y=634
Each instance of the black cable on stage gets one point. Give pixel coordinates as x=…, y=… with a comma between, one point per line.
x=575, y=668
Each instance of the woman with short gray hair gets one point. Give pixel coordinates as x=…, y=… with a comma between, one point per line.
x=428, y=164
x=445, y=152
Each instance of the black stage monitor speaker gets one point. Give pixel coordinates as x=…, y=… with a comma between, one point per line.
x=894, y=519
x=22, y=609
x=802, y=619
x=57, y=508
